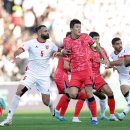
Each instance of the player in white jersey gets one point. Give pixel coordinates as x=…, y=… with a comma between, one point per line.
x=124, y=73
x=127, y=55
x=38, y=72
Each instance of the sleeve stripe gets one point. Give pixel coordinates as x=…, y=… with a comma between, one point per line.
x=126, y=55
x=22, y=49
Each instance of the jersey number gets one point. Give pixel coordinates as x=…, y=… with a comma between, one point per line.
x=42, y=53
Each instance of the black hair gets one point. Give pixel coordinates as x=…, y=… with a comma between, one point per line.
x=68, y=33
x=73, y=22
x=94, y=34
x=39, y=27
x=114, y=40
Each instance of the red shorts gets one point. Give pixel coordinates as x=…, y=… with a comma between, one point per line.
x=82, y=77
x=99, y=82
x=60, y=84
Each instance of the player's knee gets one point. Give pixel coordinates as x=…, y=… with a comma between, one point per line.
x=46, y=102
x=22, y=91
x=110, y=94
x=73, y=95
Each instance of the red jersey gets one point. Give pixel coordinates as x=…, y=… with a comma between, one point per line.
x=60, y=72
x=79, y=56
x=94, y=57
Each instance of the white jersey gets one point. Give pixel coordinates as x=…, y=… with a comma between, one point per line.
x=122, y=70
x=127, y=49
x=39, y=57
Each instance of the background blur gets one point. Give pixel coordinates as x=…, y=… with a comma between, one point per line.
x=18, y=18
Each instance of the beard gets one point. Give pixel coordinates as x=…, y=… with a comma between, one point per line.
x=45, y=37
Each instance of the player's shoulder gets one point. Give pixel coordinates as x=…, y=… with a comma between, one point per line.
x=84, y=35
x=29, y=42
x=112, y=54
x=67, y=38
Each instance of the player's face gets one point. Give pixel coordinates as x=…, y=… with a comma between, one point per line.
x=44, y=33
x=96, y=39
x=118, y=46
x=76, y=30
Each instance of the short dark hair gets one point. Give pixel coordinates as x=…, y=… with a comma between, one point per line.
x=114, y=40
x=94, y=34
x=39, y=27
x=73, y=22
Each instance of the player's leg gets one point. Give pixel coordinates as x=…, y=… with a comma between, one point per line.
x=78, y=108
x=43, y=86
x=111, y=101
x=14, y=104
x=125, y=91
x=91, y=103
x=102, y=102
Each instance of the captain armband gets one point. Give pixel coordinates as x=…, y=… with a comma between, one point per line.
x=94, y=45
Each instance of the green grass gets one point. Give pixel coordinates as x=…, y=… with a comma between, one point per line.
x=43, y=121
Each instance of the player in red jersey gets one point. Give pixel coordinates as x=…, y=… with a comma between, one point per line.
x=81, y=72
x=61, y=78
x=100, y=84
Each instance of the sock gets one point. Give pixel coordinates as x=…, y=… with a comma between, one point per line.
x=78, y=107
x=14, y=105
x=64, y=108
x=111, y=104
x=81, y=95
x=61, y=102
x=51, y=104
x=88, y=107
x=92, y=106
x=127, y=108
x=126, y=95
x=102, y=107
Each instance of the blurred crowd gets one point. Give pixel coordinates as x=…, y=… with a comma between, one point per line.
x=18, y=18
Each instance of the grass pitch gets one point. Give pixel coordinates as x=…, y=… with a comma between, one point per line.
x=43, y=121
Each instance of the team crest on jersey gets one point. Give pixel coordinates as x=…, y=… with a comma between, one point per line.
x=47, y=46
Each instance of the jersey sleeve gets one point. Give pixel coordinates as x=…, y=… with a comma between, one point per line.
x=127, y=50
x=26, y=46
x=54, y=48
x=67, y=44
x=88, y=40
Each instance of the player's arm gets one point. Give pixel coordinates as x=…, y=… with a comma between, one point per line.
x=100, y=51
x=117, y=62
x=66, y=65
x=18, y=52
x=127, y=60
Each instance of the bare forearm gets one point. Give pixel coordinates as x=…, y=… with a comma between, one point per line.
x=116, y=63
x=18, y=52
x=98, y=48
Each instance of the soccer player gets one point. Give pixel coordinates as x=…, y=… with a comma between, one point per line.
x=61, y=79
x=100, y=84
x=102, y=98
x=81, y=72
x=38, y=72
x=2, y=106
x=124, y=73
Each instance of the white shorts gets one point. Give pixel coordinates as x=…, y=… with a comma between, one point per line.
x=41, y=84
x=124, y=80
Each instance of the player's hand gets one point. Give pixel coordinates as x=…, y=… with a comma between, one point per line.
x=66, y=52
x=107, y=63
x=101, y=61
